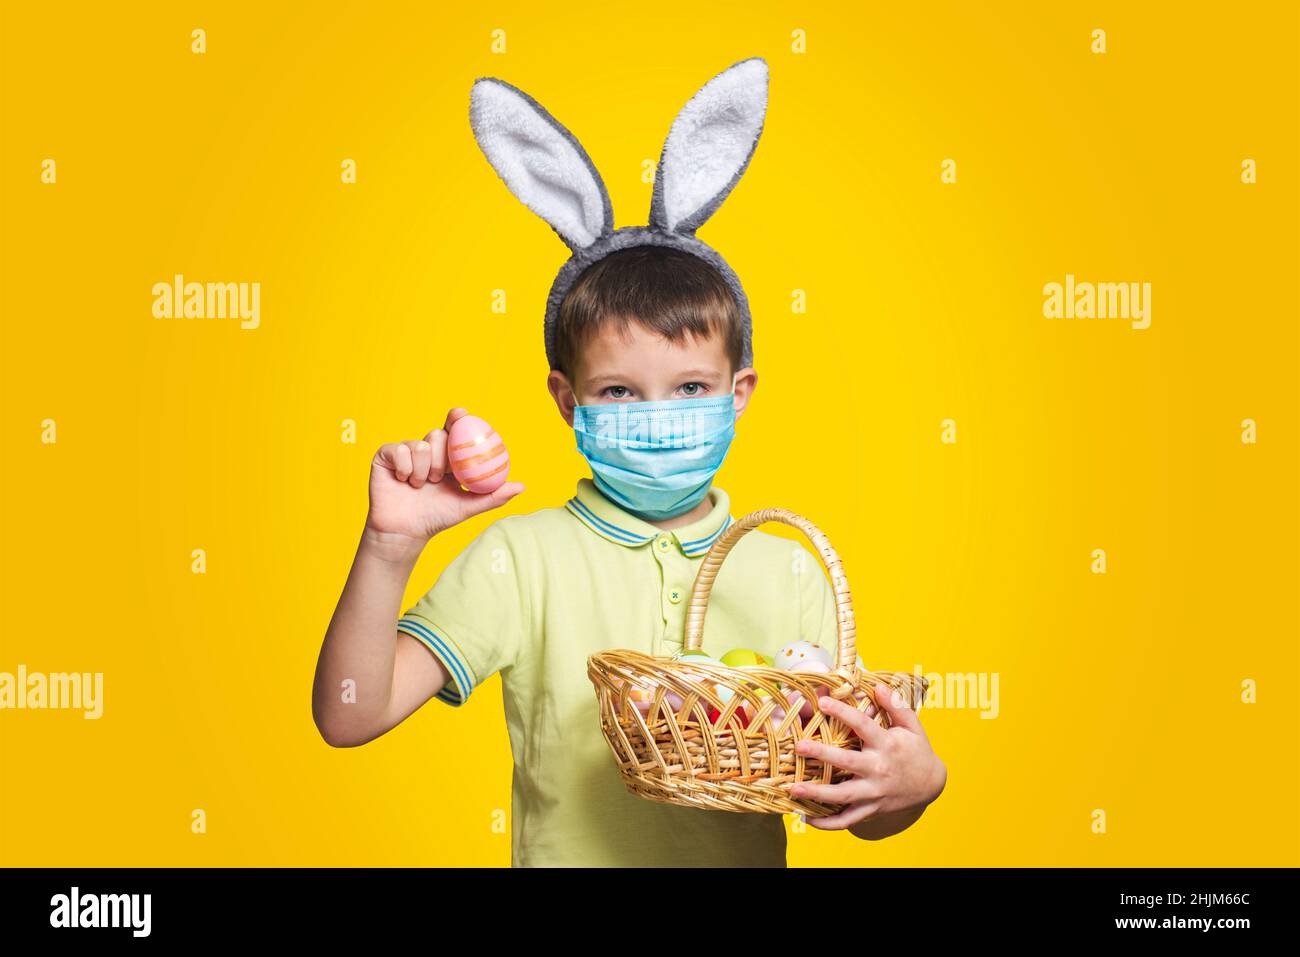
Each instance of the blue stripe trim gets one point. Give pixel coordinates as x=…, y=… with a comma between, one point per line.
x=704, y=543
x=608, y=526
x=417, y=630
x=458, y=669
x=601, y=525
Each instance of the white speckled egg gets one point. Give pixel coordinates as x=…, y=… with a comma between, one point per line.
x=799, y=651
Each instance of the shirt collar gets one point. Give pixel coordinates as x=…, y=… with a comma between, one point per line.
x=610, y=521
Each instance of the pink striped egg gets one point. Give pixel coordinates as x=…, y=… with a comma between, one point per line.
x=476, y=454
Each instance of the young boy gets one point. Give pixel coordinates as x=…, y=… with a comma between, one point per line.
x=534, y=594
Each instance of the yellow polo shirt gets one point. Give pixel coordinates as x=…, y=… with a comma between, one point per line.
x=533, y=595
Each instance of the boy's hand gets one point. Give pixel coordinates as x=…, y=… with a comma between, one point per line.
x=413, y=494
x=895, y=771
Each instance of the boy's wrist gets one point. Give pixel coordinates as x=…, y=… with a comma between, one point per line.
x=392, y=548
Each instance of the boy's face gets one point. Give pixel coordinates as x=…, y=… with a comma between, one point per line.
x=640, y=365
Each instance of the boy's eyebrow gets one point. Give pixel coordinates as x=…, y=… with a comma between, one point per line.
x=697, y=373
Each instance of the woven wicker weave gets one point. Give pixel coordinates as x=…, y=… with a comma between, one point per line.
x=681, y=757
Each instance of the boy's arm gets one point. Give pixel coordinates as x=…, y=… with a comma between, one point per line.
x=886, y=825
x=926, y=775
x=369, y=677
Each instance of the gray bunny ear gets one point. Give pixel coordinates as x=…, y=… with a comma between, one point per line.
x=541, y=162
x=709, y=146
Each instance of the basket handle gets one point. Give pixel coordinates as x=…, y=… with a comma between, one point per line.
x=847, y=665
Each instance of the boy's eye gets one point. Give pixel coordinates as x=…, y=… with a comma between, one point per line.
x=690, y=389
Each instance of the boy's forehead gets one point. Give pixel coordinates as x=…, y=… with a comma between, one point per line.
x=610, y=350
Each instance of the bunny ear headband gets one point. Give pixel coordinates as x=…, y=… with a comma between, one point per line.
x=546, y=168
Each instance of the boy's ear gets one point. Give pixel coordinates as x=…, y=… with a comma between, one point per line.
x=562, y=392
x=541, y=162
x=709, y=147
x=746, y=383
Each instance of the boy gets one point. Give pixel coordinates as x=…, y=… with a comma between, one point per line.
x=534, y=594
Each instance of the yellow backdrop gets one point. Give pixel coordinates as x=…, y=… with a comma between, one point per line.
x=923, y=175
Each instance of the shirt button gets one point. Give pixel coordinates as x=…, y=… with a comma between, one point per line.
x=675, y=595
x=664, y=544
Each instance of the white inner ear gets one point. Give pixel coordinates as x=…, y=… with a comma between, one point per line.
x=711, y=137
x=538, y=163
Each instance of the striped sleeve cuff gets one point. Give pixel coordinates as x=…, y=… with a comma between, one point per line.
x=457, y=690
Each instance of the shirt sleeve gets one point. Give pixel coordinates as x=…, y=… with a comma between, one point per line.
x=475, y=617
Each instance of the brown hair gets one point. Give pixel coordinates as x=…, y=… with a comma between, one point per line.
x=666, y=290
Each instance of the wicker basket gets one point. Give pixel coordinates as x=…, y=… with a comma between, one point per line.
x=681, y=757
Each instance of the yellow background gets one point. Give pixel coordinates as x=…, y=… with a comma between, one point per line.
x=1119, y=692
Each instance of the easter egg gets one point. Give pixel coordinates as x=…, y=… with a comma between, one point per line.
x=799, y=651
x=728, y=692
x=643, y=698
x=739, y=657
x=751, y=710
x=742, y=658
x=715, y=714
x=476, y=454
x=637, y=695
x=696, y=657
x=814, y=666
x=699, y=657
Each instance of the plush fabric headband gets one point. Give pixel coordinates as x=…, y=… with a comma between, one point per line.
x=545, y=167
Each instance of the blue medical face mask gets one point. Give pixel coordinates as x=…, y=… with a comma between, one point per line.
x=656, y=459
